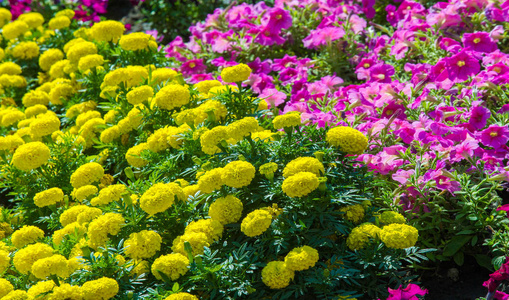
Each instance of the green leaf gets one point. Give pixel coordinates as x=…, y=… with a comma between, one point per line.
x=455, y=244
x=459, y=258
x=175, y=287
x=484, y=261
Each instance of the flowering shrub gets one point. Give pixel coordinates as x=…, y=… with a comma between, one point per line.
x=124, y=181
x=432, y=105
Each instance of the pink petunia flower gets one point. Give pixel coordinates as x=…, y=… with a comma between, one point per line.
x=408, y=293
x=495, y=136
x=461, y=66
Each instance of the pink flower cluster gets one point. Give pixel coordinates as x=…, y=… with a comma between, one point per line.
x=434, y=105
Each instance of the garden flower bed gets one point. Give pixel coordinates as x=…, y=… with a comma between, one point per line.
x=299, y=149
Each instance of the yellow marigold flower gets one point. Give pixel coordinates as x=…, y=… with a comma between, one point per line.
x=181, y=296
x=49, y=197
x=30, y=156
x=110, y=134
x=100, y=289
x=256, y=222
x=2, y=53
x=391, y=217
x=69, y=13
x=290, y=119
x=349, y=140
x=16, y=295
x=87, y=174
x=143, y=244
x=210, y=139
x=89, y=214
x=130, y=76
x=242, y=128
x=5, y=261
x=191, y=191
x=353, y=213
x=5, y=17
x=60, y=69
x=26, y=235
x=174, y=137
x=399, y=236
x=90, y=61
x=268, y=170
x=107, y=31
x=135, y=41
x=26, y=257
x=44, y=125
x=236, y=73
x=197, y=240
x=226, y=210
x=110, y=116
x=10, y=142
x=109, y=194
x=276, y=275
x=140, y=94
x=211, y=180
x=157, y=198
x=67, y=291
x=158, y=141
x=35, y=110
x=5, y=287
x=71, y=214
x=12, y=81
x=10, y=68
x=87, y=116
x=162, y=75
x=11, y=118
x=53, y=265
x=59, y=22
x=133, y=155
x=203, y=87
x=33, y=19
x=238, y=174
x=14, y=29
x=172, y=265
x=266, y=136
x=300, y=184
x=81, y=50
x=41, y=290
x=360, y=236
x=70, y=229
x=34, y=98
x=62, y=90
x=213, y=229
x=26, y=50
x=304, y=164
x=100, y=227
x=172, y=96
x=301, y=258
x=217, y=90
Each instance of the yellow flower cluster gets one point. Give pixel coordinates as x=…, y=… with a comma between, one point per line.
x=391, y=217
x=238, y=174
x=87, y=174
x=49, y=197
x=172, y=96
x=360, y=236
x=256, y=222
x=26, y=257
x=143, y=244
x=301, y=258
x=137, y=41
x=101, y=289
x=109, y=194
x=158, y=198
x=399, y=236
x=349, y=140
x=226, y=210
x=26, y=235
x=30, y=156
x=290, y=119
x=172, y=265
x=300, y=184
x=277, y=275
x=107, y=31
x=181, y=296
x=304, y=164
x=236, y=73
x=353, y=213
x=101, y=227
x=198, y=234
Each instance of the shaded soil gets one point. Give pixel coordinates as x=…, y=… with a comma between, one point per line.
x=452, y=282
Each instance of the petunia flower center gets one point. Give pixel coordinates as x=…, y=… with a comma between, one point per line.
x=461, y=63
x=497, y=69
x=389, y=112
x=477, y=40
x=381, y=76
x=366, y=65
x=279, y=17
x=192, y=65
x=493, y=134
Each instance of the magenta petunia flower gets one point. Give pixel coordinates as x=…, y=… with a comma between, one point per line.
x=479, y=42
x=195, y=78
x=266, y=37
x=323, y=36
x=461, y=66
x=495, y=136
x=381, y=73
x=368, y=8
x=258, y=66
x=273, y=97
x=408, y=293
x=193, y=66
x=277, y=19
x=479, y=115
